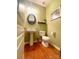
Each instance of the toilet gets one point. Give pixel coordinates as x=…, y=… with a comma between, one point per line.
x=45, y=39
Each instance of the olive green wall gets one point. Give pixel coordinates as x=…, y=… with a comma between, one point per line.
x=43, y=13
x=40, y=16
x=53, y=26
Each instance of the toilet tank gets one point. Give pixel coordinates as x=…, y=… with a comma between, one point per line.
x=42, y=33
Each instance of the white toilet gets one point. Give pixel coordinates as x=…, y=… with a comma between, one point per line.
x=45, y=39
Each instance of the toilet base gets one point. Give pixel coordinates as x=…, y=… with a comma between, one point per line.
x=45, y=44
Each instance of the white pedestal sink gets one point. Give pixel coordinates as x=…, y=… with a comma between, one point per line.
x=31, y=31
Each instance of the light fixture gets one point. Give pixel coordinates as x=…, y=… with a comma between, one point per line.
x=43, y=3
x=21, y=7
x=31, y=10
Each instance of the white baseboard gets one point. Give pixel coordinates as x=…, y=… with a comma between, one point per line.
x=40, y=40
x=56, y=47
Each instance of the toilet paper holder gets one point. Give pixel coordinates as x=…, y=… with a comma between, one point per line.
x=54, y=34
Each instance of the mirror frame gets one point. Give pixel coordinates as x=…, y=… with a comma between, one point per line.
x=31, y=22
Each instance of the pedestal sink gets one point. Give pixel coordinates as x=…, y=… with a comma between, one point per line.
x=31, y=31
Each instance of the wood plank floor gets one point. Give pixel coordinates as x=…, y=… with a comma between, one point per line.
x=38, y=51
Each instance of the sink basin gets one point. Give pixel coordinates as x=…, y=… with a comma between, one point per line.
x=31, y=30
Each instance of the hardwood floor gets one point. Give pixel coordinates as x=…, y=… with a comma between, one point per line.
x=38, y=51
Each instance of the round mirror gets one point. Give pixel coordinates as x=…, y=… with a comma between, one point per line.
x=31, y=19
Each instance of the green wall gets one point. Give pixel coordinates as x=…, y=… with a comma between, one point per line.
x=53, y=26
x=43, y=13
x=40, y=16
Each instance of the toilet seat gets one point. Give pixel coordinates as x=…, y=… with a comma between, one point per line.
x=45, y=40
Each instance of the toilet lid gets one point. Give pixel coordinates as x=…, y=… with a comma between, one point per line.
x=45, y=38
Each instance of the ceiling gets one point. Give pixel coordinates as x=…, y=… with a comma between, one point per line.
x=43, y=3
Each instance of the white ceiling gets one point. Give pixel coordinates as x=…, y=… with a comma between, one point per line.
x=43, y=3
